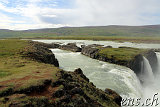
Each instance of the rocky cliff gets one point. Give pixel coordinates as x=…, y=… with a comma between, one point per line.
x=125, y=56
x=135, y=64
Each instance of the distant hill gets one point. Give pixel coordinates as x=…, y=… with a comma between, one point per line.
x=113, y=30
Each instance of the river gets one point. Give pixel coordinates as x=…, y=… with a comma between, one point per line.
x=105, y=75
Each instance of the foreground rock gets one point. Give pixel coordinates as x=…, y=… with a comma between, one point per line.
x=71, y=89
x=115, y=96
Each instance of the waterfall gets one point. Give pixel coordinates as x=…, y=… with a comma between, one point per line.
x=146, y=74
x=158, y=59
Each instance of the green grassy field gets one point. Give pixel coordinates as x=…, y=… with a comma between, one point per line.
x=11, y=47
x=21, y=71
x=121, y=54
x=138, y=31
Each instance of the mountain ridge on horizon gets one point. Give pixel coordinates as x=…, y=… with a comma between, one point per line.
x=157, y=25
x=111, y=30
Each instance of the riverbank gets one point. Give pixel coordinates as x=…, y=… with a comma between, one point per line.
x=150, y=40
x=30, y=77
x=125, y=56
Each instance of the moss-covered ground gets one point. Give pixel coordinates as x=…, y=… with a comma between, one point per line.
x=124, y=53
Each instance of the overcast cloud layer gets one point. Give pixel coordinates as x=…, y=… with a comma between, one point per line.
x=34, y=14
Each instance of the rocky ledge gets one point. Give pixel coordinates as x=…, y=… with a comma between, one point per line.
x=71, y=89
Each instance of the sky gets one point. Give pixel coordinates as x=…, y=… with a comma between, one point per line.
x=36, y=14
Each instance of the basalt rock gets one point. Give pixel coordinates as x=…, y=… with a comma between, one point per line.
x=80, y=72
x=152, y=58
x=80, y=92
x=90, y=51
x=71, y=47
x=59, y=93
x=54, y=45
x=117, y=98
x=135, y=64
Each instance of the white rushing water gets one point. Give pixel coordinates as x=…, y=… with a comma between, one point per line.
x=146, y=72
x=158, y=57
x=153, y=88
x=105, y=75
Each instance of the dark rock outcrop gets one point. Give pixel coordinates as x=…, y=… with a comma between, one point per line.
x=77, y=90
x=157, y=50
x=41, y=53
x=80, y=72
x=71, y=47
x=152, y=58
x=135, y=64
x=90, y=51
x=117, y=98
x=54, y=45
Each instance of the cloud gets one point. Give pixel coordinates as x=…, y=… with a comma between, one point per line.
x=104, y=12
x=53, y=13
x=34, y=26
x=124, y=12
